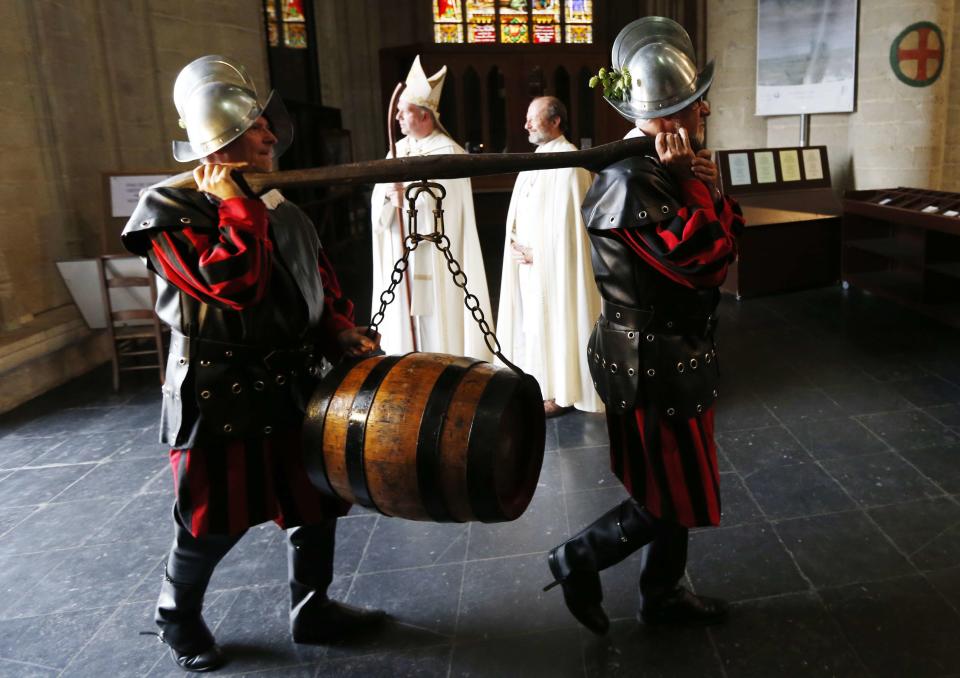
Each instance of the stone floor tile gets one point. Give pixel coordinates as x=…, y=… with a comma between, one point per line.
x=738, y=563
x=755, y=449
x=581, y=429
x=586, y=468
x=413, y=663
x=941, y=464
x=398, y=544
x=909, y=430
x=751, y=643
x=878, y=479
x=841, y=548
x=797, y=490
x=899, y=627
x=503, y=597
x=32, y=486
x=543, y=655
x=832, y=438
x=632, y=650
x=927, y=531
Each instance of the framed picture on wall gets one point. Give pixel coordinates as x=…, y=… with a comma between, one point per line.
x=806, y=56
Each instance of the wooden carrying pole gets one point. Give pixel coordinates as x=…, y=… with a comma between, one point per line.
x=437, y=167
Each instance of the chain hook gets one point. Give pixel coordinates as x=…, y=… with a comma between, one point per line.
x=439, y=238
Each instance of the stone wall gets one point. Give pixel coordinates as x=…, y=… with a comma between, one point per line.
x=898, y=134
x=87, y=89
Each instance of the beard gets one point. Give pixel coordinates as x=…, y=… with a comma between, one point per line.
x=537, y=138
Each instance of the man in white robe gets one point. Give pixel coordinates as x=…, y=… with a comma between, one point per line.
x=440, y=321
x=548, y=298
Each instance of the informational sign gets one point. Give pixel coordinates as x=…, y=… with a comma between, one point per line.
x=812, y=165
x=739, y=169
x=125, y=191
x=771, y=170
x=790, y=165
x=766, y=173
x=806, y=56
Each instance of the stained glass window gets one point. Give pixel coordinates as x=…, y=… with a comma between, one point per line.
x=481, y=21
x=447, y=11
x=447, y=33
x=513, y=22
x=579, y=19
x=273, y=31
x=546, y=21
x=293, y=10
x=286, y=21
x=295, y=35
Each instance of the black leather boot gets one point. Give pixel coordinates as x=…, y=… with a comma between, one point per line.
x=576, y=564
x=662, y=599
x=314, y=618
x=189, y=567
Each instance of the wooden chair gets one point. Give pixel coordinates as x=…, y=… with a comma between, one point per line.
x=134, y=333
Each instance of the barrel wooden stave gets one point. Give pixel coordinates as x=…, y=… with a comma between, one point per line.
x=455, y=441
x=394, y=425
x=399, y=405
x=335, y=427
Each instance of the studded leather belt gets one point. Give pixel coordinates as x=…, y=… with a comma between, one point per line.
x=634, y=318
x=659, y=323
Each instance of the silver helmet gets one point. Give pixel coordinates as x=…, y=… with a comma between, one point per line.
x=217, y=102
x=659, y=54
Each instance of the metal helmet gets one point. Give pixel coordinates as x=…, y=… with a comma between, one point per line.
x=217, y=102
x=659, y=54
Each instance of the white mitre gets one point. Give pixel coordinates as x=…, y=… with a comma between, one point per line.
x=423, y=91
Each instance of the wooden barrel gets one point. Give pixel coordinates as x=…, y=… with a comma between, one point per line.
x=427, y=436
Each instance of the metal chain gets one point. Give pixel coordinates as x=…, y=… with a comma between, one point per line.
x=442, y=243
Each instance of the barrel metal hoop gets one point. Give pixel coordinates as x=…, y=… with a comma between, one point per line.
x=357, y=430
x=428, y=442
x=313, y=424
x=484, y=439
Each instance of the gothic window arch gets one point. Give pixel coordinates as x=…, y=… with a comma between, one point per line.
x=513, y=22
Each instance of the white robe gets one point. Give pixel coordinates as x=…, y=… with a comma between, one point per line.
x=548, y=308
x=442, y=322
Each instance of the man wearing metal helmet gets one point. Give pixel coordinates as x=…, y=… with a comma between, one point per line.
x=252, y=304
x=661, y=238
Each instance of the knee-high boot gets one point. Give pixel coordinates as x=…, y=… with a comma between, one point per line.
x=314, y=618
x=576, y=564
x=662, y=599
x=190, y=565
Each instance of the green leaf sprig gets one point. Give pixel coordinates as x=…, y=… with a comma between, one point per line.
x=616, y=84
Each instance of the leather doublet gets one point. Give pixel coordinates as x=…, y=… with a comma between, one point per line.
x=653, y=346
x=234, y=372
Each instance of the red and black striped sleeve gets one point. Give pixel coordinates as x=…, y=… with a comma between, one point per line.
x=337, y=310
x=229, y=267
x=696, y=246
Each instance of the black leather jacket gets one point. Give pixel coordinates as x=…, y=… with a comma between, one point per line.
x=234, y=372
x=653, y=346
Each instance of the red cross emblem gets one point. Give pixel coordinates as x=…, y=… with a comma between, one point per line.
x=916, y=55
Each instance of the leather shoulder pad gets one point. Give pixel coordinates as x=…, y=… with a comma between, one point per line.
x=165, y=208
x=634, y=192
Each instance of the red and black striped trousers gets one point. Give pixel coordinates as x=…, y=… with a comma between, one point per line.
x=227, y=486
x=668, y=465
